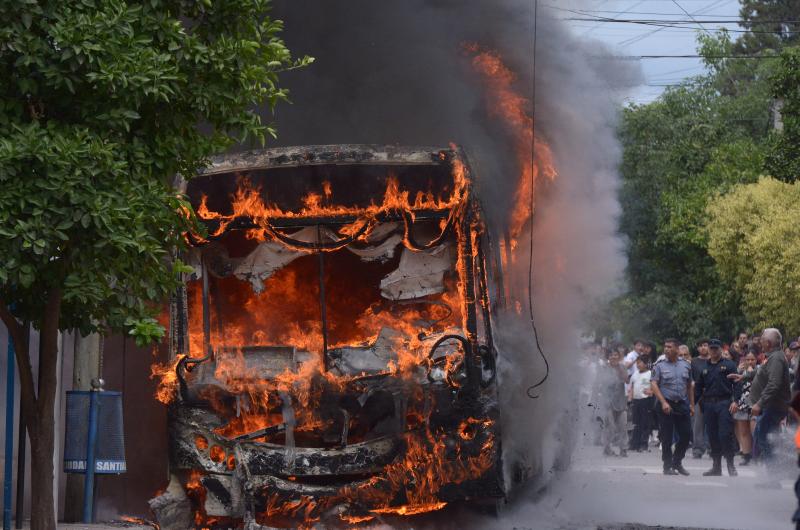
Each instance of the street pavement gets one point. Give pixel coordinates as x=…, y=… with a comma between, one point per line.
x=609, y=492
x=614, y=493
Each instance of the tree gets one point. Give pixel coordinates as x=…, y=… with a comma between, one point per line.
x=783, y=158
x=702, y=136
x=697, y=140
x=102, y=103
x=760, y=252
x=772, y=24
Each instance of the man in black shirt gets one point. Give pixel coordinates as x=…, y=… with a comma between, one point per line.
x=718, y=403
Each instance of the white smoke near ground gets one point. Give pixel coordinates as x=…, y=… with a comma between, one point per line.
x=395, y=72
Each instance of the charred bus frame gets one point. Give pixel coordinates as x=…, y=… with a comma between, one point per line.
x=244, y=483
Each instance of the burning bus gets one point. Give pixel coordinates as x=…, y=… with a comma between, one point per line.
x=333, y=355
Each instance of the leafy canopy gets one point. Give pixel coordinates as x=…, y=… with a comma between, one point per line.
x=783, y=158
x=703, y=136
x=102, y=103
x=773, y=24
x=758, y=251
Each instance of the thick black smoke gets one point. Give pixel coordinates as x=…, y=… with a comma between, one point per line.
x=395, y=72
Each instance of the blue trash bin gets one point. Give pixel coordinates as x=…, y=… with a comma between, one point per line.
x=110, y=441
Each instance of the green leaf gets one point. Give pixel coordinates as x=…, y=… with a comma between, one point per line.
x=108, y=101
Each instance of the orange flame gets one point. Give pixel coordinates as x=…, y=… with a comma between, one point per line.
x=139, y=521
x=167, y=379
x=534, y=156
x=247, y=202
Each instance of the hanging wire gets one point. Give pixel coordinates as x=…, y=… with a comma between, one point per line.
x=531, y=388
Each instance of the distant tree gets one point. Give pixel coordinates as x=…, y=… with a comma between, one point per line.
x=783, y=159
x=697, y=140
x=101, y=105
x=773, y=24
x=759, y=252
x=678, y=151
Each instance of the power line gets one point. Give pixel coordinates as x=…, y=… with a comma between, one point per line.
x=650, y=21
x=579, y=11
x=686, y=29
x=680, y=70
x=690, y=16
x=637, y=57
x=661, y=75
x=532, y=202
x=620, y=13
x=661, y=23
x=628, y=42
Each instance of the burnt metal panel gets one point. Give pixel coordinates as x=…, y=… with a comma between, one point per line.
x=362, y=458
x=327, y=154
x=186, y=424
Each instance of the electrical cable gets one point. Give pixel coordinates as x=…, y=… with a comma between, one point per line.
x=689, y=56
x=535, y=8
x=691, y=16
x=532, y=198
x=734, y=18
x=679, y=22
x=632, y=40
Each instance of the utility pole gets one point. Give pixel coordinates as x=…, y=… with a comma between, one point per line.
x=85, y=368
x=22, y=442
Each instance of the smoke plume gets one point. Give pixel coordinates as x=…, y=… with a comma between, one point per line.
x=399, y=72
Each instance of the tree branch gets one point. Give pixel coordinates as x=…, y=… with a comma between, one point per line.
x=48, y=354
x=12, y=324
x=18, y=334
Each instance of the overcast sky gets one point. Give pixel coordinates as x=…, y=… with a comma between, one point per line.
x=628, y=39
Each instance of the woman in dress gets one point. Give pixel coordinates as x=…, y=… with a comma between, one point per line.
x=744, y=432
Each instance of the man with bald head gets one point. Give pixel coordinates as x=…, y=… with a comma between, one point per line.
x=770, y=392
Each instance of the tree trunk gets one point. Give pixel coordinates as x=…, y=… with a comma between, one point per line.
x=42, y=502
x=42, y=424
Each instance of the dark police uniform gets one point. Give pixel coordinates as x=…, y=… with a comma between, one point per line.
x=716, y=393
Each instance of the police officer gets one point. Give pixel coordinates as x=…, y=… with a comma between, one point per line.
x=671, y=383
x=718, y=401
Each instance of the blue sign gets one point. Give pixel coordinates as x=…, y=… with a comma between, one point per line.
x=109, y=444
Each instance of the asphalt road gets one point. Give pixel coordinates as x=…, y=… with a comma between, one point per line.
x=614, y=492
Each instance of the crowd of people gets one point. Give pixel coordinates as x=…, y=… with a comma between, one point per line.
x=723, y=399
